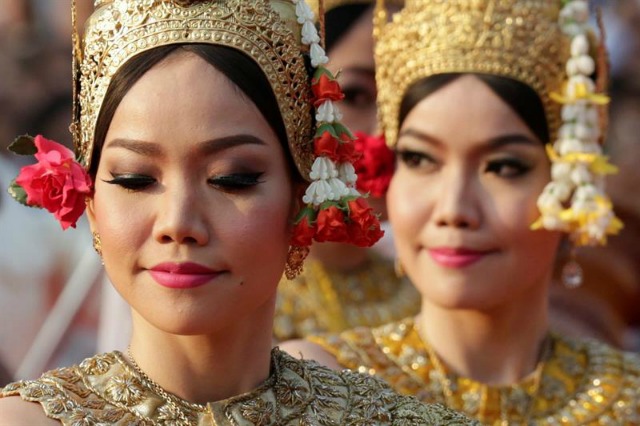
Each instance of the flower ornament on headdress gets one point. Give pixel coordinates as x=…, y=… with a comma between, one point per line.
x=575, y=201
x=57, y=182
x=375, y=166
x=276, y=35
x=334, y=209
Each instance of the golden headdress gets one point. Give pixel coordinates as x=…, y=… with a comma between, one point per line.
x=544, y=44
x=121, y=29
x=519, y=39
x=279, y=36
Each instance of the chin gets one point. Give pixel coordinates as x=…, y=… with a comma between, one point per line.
x=461, y=292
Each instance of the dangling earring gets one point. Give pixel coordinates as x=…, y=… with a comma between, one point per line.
x=572, y=274
x=295, y=260
x=97, y=243
x=398, y=268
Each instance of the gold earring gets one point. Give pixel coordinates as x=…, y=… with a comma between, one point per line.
x=295, y=260
x=398, y=268
x=97, y=243
x=572, y=275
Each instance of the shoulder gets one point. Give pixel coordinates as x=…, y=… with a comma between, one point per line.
x=16, y=411
x=305, y=349
x=80, y=393
x=366, y=348
x=609, y=380
x=365, y=397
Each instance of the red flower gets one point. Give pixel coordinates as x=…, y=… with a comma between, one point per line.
x=331, y=226
x=347, y=152
x=326, y=88
x=376, y=165
x=364, y=227
x=326, y=145
x=56, y=182
x=303, y=233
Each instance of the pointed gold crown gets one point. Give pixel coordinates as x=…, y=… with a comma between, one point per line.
x=519, y=39
x=265, y=30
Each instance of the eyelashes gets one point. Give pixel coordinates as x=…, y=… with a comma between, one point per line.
x=229, y=183
x=414, y=159
x=236, y=181
x=506, y=168
x=131, y=182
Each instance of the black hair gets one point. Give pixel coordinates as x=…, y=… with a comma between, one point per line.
x=235, y=65
x=520, y=97
x=338, y=21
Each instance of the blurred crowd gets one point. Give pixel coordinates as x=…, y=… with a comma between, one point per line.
x=37, y=259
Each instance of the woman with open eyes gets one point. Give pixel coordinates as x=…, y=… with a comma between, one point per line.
x=196, y=163
x=495, y=118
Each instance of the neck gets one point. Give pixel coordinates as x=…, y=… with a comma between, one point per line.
x=206, y=368
x=497, y=347
x=340, y=257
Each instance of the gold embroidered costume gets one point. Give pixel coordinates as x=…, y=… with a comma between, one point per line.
x=107, y=389
x=581, y=382
x=324, y=300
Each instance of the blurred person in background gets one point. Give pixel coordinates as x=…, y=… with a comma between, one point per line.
x=35, y=97
x=344, y=286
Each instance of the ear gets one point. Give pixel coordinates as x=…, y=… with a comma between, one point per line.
x=91, y=215
x=298, y=190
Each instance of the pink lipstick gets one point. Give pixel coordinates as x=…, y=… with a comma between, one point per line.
x=182, y=275
x=456, y=257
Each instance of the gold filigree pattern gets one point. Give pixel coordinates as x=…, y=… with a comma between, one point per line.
x=297, y=393
x=519, y=39
x=324, y=300
x=601, y=386
x=265, y=30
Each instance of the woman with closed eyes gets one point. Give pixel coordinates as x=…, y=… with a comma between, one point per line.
x=194, y=135
x=488, y=105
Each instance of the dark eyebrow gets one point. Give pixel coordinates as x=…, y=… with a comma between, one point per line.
x=495, y=143
x=420, y=135
x=511, y=139
x=370, y=72
x=212, y=146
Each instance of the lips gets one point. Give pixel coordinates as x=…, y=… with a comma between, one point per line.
x=182, y=275
x=457, y=257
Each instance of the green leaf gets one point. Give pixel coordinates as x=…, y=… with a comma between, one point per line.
x=18, y=193
x=342, y=129
x=326, y=127
x=322, y=70
x=23, y=145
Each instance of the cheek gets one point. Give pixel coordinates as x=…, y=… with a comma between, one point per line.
x=407, y=209
x=123, y=224
x=514, y=209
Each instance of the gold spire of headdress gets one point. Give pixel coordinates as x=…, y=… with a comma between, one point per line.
x=519, y=39
x=265, y=30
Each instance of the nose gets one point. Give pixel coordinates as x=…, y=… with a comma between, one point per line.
x=458, y=203
x=180, y=218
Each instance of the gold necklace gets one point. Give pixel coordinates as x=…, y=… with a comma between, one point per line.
x=174, y=403
x=447, y=392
